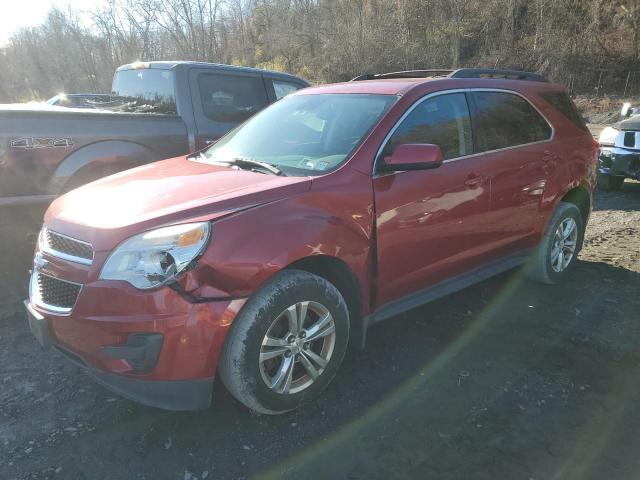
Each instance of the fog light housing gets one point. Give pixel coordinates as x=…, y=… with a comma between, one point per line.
x=141, y=351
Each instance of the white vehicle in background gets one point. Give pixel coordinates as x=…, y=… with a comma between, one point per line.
x=78, y=100
x=620, y=150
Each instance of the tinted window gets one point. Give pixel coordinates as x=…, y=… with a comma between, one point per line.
x=508, y=120
x=443, y=120
x=231, y=98
x=283, y=89
x=561, y=102
x=144, y=90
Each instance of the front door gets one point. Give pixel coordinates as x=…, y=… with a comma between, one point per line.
x=431, y=224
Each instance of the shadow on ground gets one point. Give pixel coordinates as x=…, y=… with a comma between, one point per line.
x=626, y=199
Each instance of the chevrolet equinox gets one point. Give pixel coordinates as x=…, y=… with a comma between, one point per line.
x=262, y=257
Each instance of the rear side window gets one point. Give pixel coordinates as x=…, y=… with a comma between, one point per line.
x=443, y=120
x=282, y=89
x=508, y=120
x=561, y=102
x=231, y=98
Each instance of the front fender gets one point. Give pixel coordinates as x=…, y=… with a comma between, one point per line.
x=247, y=249
x=98, y=159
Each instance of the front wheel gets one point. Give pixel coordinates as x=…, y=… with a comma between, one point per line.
x=559, y=246
x=286, y=344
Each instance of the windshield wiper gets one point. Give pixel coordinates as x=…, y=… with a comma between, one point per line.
x=250, y=162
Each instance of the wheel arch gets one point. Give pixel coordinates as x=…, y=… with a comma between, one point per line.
x=110, y=156
x=580, y=197
x=337, y=272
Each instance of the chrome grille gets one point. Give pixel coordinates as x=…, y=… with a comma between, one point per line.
x=67, y=247
x=53, y=292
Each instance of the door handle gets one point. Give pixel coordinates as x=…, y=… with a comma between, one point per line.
x=473, y=180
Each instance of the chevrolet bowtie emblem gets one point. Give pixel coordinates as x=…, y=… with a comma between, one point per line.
x=40, y=262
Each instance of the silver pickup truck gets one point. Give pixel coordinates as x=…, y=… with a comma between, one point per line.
x=620, y=150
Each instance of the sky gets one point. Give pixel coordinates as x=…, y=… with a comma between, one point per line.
x=24, y=13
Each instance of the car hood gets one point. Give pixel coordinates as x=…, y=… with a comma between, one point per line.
x=157, y=194
x=631, y=123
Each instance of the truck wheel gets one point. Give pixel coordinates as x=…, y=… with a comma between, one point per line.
x=286, y=344
x=610, y=182
x=559, y=246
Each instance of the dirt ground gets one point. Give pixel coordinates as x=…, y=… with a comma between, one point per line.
x=506, y=379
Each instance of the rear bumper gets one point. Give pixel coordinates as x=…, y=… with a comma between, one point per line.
x=619, y=162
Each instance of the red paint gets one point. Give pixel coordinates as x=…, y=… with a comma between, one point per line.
x=427, y=225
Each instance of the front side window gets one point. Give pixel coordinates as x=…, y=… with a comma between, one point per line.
x=231, y=98
x=303, y=134
x=508, y=120
x=443, y=120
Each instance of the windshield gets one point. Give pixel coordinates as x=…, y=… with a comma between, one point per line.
x=143, y=90
x=303, y=134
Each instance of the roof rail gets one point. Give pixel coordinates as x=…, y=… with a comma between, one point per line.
x=493, y=73
x=460, y=73
x=405, y=74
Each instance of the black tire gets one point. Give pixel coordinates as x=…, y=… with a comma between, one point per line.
x=239, y=366
x=610, y=183
x=539, y=267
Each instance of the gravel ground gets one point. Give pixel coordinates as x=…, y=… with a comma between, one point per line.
x=507, y=379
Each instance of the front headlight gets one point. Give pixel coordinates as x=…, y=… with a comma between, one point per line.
x=608, y=136
x=153, y=258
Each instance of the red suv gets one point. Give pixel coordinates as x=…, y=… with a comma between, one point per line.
x=262, y=257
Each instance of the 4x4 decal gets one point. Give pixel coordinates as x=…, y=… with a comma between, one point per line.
x=35, y=142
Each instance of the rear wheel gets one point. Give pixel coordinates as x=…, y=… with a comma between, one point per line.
x=559, y=246
x=610, y=182
x=286, y=344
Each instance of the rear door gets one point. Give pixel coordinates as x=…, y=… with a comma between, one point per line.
x=516, y=139
x=430, y=224
x=222, y=100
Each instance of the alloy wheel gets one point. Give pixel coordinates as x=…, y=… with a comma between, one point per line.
x=297, y=347
x=564, y=244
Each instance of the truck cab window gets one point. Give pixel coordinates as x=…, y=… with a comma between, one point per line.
x=231, y=98
x=146, y=90
x=282, y=89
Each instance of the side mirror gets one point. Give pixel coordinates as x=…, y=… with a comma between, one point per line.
x=413, y=156
x=626, y=110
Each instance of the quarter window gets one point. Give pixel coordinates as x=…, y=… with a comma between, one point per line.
x=508, y=120
x=563, y=103
x=231, y=98
x=442, y=120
